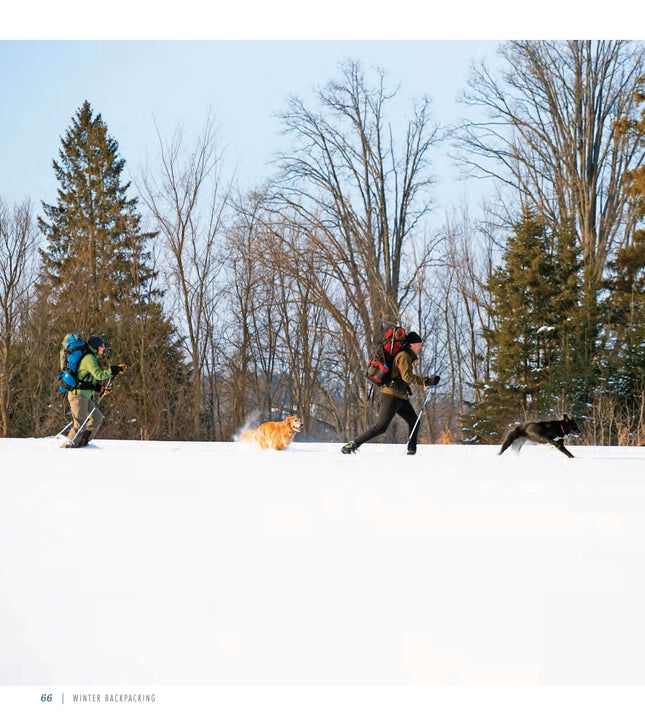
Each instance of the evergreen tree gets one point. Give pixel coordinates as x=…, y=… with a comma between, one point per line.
x=570, y=373
x=534, y=295
x=625, y=322
x=97, y=276
x=624, y=307
x=93, y=230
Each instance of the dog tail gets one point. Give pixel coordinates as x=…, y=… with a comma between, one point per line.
x=511, y=436
x=250, y=422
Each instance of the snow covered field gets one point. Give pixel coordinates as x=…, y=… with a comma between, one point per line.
x=219, y=564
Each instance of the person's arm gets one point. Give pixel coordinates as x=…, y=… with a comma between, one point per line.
x=90, y=365
x=404, y=364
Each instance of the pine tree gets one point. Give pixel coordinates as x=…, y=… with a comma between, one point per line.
x=534, y=294
x=97, y=275
x=625, y=326
x=93, y=230
x=624, y=306
x=569, y=369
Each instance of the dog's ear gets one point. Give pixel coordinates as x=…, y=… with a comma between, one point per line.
x=565, y=417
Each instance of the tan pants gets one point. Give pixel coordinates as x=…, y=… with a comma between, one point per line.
x=81, y=406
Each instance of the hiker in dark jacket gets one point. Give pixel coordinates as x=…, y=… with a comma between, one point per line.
x=394, y=396
x=93, y=379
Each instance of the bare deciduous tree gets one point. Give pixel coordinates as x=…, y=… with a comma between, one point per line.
x=278, y=361
x=251, y=353
x=359, y=189
x=18, y=243
x=349, y=181
x=550, y=134
x=456, y=311
x=188, y=200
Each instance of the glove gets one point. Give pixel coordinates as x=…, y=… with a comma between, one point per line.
x=104, y=390
x=118, y=370
x=431, y=381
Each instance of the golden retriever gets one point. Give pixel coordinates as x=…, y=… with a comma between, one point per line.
x=274, y=434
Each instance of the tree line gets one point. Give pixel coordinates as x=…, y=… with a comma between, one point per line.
x=233, y=306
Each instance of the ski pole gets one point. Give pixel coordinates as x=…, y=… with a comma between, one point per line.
x=62, y=431
x=71, y=423
x=94, y=407
x=420, y=413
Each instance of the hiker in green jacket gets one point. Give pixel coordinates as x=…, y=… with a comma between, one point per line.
x=93, y=379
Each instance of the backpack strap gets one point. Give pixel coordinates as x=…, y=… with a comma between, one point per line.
x=84, y=385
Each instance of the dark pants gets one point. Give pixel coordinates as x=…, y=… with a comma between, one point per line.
x=390, y=406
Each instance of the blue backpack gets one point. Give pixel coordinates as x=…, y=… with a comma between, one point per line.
x=71, y=353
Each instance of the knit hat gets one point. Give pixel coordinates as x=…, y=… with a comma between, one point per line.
x=414, y=337
x=95, y=341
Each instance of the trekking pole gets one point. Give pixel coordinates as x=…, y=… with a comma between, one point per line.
x=431, y=389
x=71, y=423
x=94, y=407
x=62, y=431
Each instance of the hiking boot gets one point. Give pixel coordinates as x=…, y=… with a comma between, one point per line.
x=349, y=448
x=84, y=439
x=411, y=452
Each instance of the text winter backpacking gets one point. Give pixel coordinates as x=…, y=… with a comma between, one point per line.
x=379, y=367
x=72, y=351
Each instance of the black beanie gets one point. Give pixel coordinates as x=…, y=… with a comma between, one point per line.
x=414, y=337
x=95, y=341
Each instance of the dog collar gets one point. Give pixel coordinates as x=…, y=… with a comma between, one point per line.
x=564, y=433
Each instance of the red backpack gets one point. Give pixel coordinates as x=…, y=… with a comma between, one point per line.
x=379, y=367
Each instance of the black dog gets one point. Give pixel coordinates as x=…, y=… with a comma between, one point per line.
x=542, y=432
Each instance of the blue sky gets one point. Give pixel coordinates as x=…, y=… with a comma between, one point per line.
x=135, y=84
x=138, y=80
